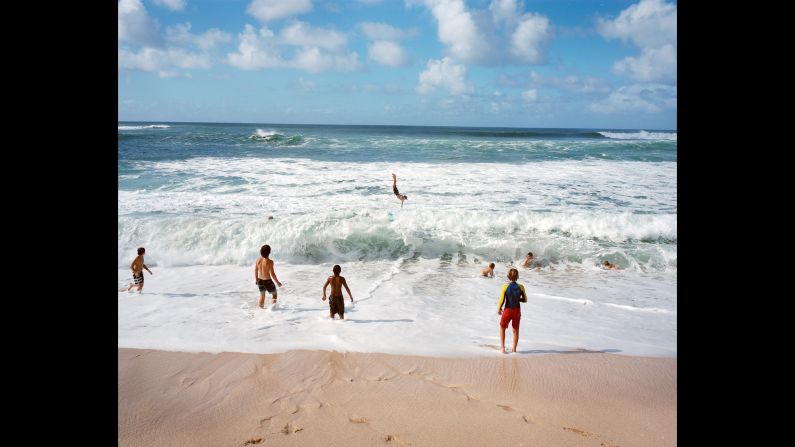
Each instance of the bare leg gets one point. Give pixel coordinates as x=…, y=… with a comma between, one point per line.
x=502, y=339
x=140, y=287
x=131, y=286
x=515, y=339
x=262, y=300
x=273, y=299
x=342, y=316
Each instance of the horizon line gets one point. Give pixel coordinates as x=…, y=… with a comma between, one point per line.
x=391, y=125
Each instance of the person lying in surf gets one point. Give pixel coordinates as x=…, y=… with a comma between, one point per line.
x=400, y=196
x=608, y=266
x=488, y=271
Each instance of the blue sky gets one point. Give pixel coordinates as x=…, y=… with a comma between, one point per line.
x=512, y=63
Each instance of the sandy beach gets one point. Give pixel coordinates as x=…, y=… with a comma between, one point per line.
x=329, y=398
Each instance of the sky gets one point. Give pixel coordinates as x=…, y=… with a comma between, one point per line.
x=497, y=63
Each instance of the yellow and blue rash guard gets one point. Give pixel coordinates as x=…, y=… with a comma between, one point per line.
x=514, y=295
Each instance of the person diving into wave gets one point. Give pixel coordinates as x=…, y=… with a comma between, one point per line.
x=400, y=196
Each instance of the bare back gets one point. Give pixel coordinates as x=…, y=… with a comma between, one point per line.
x=264, y=266
x=336, y=283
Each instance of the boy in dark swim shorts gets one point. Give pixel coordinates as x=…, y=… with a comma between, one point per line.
x=263, y=272
x=137, y=268
x=336, y=301
x=512, y=294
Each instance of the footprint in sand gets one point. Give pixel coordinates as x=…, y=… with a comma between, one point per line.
x=578, y=431
x=358, y=420
x=253, y=441
x=505, y=407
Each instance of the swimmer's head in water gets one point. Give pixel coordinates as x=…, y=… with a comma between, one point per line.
x=491, y=265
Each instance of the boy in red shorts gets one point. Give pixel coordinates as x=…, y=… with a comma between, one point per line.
x=512, y=294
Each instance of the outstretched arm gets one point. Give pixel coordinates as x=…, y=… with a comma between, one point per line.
x=273, y=275
x=255, y=272
x=328, y=280
x=345, y=283
x=147, y=269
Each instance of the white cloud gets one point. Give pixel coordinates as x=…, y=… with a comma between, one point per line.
x=653, y=65
x=180, y=35
x=571, y=83
x=529, y=40
x=266, y=10
x=649, y=23
x=382, y=31
x=530, y=95
x=135, y=25
x=174, y=74
x=211, y=38
x=165, y=61
x=387, y=53
x=457, y=29
x=505, y=11
x=637, y=98
x=256, y=51
x=174, y=5
x=314, y=60
x=446, y=74
x=479, y=36
x=305, y=85
x=300, y=33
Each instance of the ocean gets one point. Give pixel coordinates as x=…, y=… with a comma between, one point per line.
x=203, y=198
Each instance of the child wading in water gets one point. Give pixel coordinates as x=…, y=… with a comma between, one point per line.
x=512, y=294
x=263, y=272
x=336, y=302
x=137, y=268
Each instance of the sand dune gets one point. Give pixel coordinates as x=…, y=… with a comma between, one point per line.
x=343, y=399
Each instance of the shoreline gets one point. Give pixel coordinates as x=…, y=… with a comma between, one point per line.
x=311, y=397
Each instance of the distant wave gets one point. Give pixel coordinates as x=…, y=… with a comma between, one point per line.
x=524, y=134
x=276, y=138
x=151, y=126
x=642, y=135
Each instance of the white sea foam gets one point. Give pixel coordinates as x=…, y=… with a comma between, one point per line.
x=641, y=135
x=150, y=126
x=413, y=307
x=212, y=211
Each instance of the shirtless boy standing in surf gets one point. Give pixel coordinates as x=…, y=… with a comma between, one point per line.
x=263, y=272
x=336, y=301
x=137, y=268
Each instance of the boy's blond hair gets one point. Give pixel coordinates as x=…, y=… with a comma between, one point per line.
x=513, y=274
